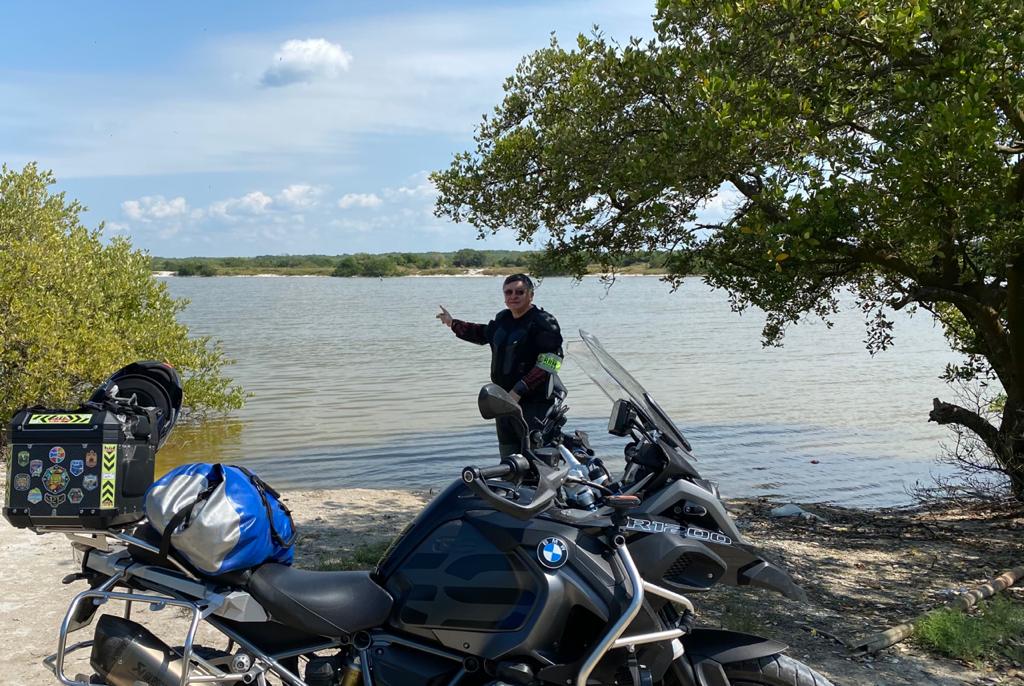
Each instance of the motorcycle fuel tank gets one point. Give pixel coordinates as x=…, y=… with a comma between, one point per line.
x=484, y=583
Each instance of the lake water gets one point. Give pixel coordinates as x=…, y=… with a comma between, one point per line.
x=355, y=383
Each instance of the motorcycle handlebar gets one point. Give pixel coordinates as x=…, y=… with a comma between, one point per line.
x=548, y=482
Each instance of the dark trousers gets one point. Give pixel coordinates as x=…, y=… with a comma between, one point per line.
x=509, y=439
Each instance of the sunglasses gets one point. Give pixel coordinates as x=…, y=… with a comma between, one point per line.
x=515, y=291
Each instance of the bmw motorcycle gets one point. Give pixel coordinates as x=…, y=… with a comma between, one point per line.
x=540, y=570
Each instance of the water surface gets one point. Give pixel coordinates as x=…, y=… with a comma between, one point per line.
x=356, y=383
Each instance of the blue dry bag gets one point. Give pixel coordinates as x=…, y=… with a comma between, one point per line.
x=221, y=518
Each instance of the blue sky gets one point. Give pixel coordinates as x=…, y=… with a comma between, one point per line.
x=256, y=128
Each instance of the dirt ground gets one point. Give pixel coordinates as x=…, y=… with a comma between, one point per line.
x=863, y=571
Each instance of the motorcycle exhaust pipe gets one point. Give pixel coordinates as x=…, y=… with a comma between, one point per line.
x=125, y=653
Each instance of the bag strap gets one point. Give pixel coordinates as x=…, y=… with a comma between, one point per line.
x=263, y=488
x=183, y=514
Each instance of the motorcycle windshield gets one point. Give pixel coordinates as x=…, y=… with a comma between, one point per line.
x=613, y=379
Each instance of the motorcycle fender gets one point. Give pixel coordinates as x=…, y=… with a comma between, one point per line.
x=709, y=649
x=764, y=574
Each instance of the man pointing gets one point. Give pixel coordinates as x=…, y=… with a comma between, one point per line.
x=518, y=336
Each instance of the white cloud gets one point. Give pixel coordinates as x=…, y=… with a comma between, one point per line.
x=300, y=196
x=299, y=61
x=253, y=203
x=420, y=186
x=359, y=200
x=154, y=208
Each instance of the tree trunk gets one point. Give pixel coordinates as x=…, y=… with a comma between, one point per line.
x=1006, y=443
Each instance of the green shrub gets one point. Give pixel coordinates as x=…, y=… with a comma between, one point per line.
x=74, y=309
x=988, y=631
x=365, y=556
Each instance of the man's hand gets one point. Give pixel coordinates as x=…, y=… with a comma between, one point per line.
x=445, y=318
x=513, y=395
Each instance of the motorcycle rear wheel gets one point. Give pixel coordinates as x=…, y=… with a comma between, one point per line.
x=775, y=670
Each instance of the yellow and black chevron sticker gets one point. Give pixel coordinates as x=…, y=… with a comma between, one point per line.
x=108, y=476
x=60, y=419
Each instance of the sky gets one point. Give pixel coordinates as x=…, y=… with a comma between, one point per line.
x=268, y=128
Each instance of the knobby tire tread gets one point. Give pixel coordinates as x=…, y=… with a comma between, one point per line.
x=775, y=670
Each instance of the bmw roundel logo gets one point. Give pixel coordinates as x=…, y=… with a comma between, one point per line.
x=552, y=552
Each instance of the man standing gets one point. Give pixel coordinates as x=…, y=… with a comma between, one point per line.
x=522, y=338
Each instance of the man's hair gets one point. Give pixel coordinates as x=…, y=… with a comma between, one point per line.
x=519, y=277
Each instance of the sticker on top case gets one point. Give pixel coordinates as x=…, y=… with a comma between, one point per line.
x=90, y=482
x=55, y=479
x=23, y=458
x=76, y=467
x=35, y=468
x=57, y=454
x=35, y=496
x=90, y=459
x=21, y=482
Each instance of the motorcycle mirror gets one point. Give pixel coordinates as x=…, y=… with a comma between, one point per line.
x=494, y=401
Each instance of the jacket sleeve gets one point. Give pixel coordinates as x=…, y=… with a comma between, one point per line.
x=547, y=340
x=468, y=331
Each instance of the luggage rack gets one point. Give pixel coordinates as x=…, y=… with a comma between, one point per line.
x=168, y=588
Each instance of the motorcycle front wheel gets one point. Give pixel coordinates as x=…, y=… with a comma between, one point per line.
x=775, y=670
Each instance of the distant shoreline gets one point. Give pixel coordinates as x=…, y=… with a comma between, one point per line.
x=465, y=262
x=466, y=273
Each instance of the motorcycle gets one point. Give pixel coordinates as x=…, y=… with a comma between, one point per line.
x=538, y=570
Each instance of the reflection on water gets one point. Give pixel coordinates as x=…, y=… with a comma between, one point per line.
x=356, y=384
x=192, y=442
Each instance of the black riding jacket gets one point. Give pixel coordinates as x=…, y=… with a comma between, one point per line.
x=515, y=346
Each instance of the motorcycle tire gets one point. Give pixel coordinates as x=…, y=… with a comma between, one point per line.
x=775, y=670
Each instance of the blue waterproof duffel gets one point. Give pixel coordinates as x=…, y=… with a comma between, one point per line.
x=221, y=518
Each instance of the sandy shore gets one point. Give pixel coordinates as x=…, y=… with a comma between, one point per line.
x=32, y=566
x=863, y=572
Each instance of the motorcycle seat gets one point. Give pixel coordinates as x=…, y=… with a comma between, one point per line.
x=332, y=604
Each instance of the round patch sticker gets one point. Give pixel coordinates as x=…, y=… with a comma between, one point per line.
x=57, y=454
x=552, y=552
x=55, y=479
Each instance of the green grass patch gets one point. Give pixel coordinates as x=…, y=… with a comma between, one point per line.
x=362, y=557
x=995, y=628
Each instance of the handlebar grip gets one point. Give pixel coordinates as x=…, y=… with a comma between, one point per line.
x=498, y=470
x=513, y=464
x=471, y=474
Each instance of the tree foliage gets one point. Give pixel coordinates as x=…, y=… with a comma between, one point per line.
x=865, y=146
x=74, y=309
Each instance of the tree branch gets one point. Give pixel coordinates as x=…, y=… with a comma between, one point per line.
x=1012, y=114
x=948, y=413
x=752, y=191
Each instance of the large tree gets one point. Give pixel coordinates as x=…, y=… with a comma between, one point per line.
x=865, y=146
x=74, y=309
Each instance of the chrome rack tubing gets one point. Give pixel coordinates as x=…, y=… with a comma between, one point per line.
x=656, y=636
x=186, y=652
x=668, y=595
x=101, y=591
x=637, y=586
x=259, y=655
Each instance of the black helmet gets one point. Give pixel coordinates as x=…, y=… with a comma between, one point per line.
x=153, y=384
